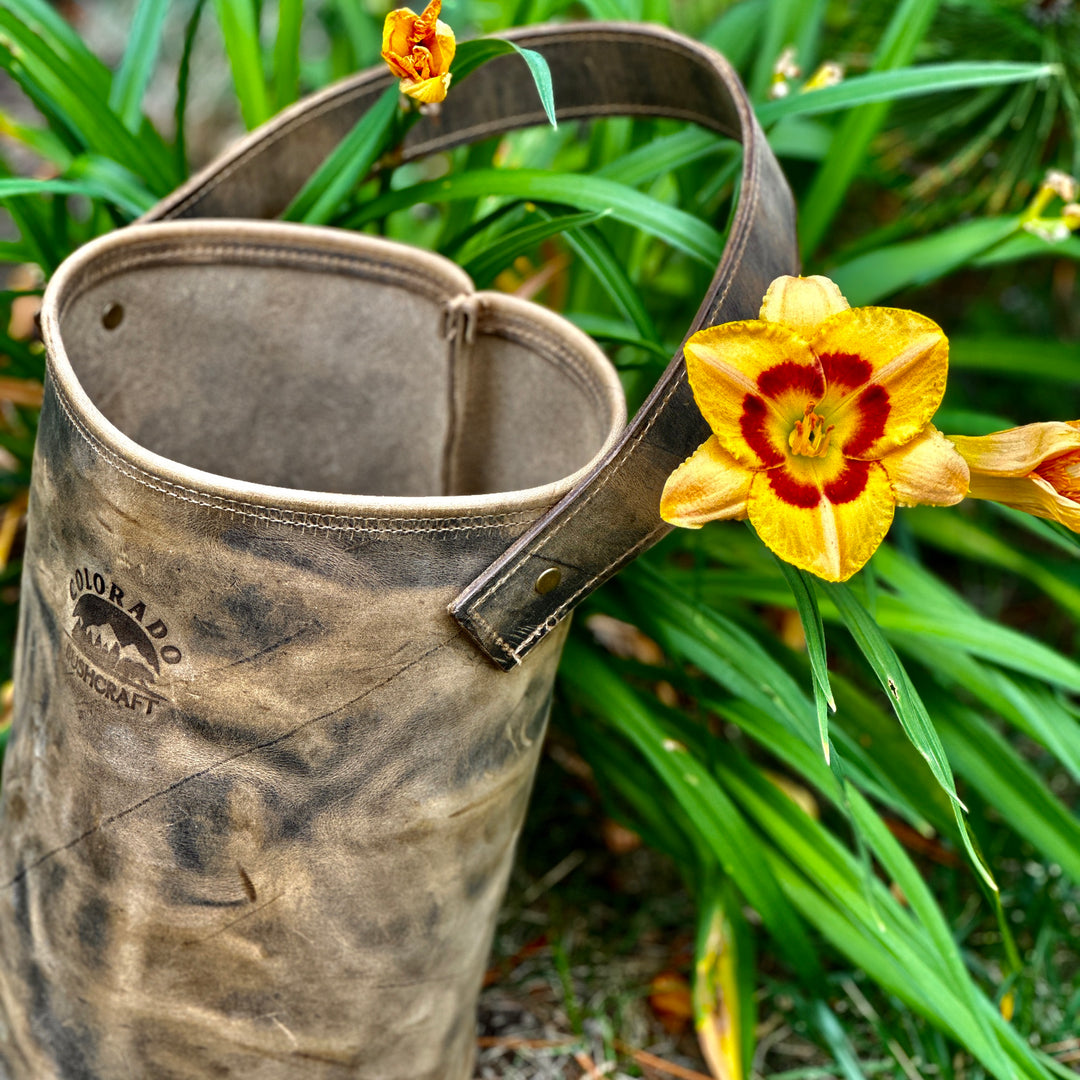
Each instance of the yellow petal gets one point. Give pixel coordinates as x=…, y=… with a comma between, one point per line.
x=443, y=47
x=830, y=539
x=1031, y=494
x=427, y=91
x=1019, y=450
x=738, y=362
x=800, y=303
x=887, y=364
x=397, y=33
x=709, y=486
x=929, y=470
x=429, y=17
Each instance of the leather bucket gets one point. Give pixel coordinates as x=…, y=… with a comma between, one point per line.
x=307, y=515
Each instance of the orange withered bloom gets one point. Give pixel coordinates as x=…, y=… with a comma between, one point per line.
x=1034, y=468
x=419, y=50
x=820, y=415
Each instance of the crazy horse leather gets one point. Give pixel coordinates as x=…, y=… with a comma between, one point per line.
x=261, y=795
x=597, y=70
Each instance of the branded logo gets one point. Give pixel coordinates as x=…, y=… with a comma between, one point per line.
x=113, y=646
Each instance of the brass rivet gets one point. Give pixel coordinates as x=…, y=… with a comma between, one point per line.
x=548, y=580
x=112, y=316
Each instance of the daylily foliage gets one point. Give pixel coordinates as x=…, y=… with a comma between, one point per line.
x=419, y=50
x=820, y=415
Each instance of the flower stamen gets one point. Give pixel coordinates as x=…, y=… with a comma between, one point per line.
x=810, y=437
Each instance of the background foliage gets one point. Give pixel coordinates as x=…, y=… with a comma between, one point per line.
x=803, y=753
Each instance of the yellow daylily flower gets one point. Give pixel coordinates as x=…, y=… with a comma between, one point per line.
x=1034, y=468
x=419, y=50
x=820, y=415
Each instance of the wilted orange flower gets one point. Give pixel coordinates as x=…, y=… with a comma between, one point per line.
x=1034, y=468
x=419, y=50
x=821, y=425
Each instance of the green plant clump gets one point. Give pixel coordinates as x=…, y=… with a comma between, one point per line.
x=925, y=715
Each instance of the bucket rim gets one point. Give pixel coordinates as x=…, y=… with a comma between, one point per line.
x=265, y=500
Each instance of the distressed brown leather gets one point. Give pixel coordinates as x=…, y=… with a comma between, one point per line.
x=262, y=792
x=261, y=795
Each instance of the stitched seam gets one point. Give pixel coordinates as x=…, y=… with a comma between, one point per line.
x=265, y=144
x=506, y=648
x=257, y=149
x=616, y=466
x=279, y=515
x=552, y=620
x=549, y=348
x=677, y=48
x=157, y=253
x=470, y=134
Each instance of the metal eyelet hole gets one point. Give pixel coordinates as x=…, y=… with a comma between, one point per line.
x=112, y=316
x=548, y=580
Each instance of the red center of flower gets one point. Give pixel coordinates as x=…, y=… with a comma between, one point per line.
x=1063, y=474
x=817, y=452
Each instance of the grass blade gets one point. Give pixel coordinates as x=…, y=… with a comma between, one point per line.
x=1025, y=245
x=361, y=30
x=287, y=52
x=723, y=829
x=596, y=253
x=902, y=956
x=683, y=231
x=664, y=155
x=113, y=183
x=42, y=19
x=886, y=86
x=541, y=74
x=140, y=56
x=721, y=648
x=85, y=114
x=802, y=589
x=879, y=273
x=724, y=990
x=908, y=707
x=42, y=141
x=240, y=31
x=1010, y=785
x=348, y=164
x=183, y=83
x=17, y=186
x=483, y=265
x=970, y=540
x=617, y=332
x=906, y=29
x=1018, y=357
x=778, y=32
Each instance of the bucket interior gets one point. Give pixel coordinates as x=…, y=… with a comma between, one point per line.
x=353, y=376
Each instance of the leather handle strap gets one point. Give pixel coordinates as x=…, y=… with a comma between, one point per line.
x=597, y=70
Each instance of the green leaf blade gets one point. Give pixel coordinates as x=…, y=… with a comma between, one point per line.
x=318, y=200
x=683, y=231
x=137, y=65
x=240, y=31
